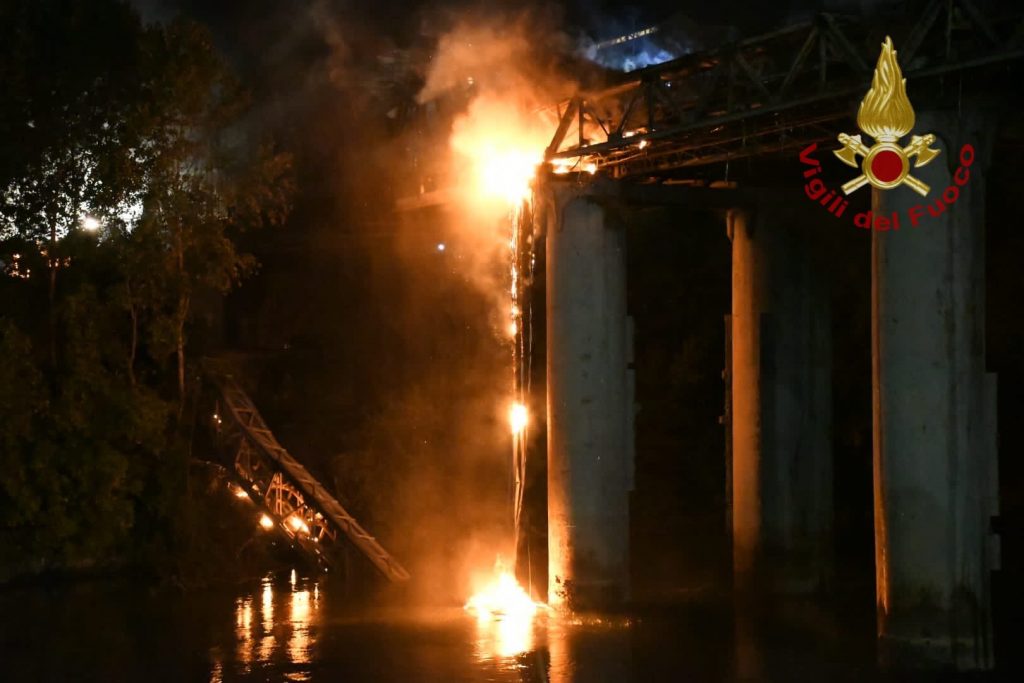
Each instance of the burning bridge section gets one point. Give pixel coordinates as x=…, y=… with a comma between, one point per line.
x=669, y=137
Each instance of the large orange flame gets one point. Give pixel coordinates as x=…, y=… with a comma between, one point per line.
x=504, y=613
x=499, y=143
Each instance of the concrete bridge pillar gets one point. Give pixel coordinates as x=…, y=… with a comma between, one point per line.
x=781, y=407
x=935, y=474
x=589, y=411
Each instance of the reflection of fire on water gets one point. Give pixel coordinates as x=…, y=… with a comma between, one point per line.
x=260, y=641
x=504, y=614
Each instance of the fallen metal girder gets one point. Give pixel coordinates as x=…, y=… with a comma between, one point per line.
x=291, y=491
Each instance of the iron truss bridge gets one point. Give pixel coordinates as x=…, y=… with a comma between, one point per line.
x=290, y=497
x=773, y=92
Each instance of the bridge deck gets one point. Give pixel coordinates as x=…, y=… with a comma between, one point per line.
x=773, y=92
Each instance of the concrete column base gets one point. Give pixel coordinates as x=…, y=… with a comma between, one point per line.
x=934, y=414
x=589, y=411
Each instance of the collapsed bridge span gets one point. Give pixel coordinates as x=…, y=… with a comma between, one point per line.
x=292, y=498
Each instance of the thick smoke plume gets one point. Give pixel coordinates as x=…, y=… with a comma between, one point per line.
x=497, y=78
x=504, y=73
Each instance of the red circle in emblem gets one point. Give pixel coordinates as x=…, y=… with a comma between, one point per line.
x=887, y=166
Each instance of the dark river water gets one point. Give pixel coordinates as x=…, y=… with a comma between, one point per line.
x=292, y=628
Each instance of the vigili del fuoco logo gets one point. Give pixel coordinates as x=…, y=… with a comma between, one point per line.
x=885, y=115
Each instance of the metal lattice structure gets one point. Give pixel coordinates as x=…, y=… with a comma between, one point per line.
x=289, y=495
x=772, y=92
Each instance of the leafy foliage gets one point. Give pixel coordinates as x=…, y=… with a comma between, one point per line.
x=145, y=129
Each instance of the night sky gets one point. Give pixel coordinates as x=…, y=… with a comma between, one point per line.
x=246, y=25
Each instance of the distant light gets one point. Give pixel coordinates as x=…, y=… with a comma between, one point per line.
x=440, y=246
x=266, y=522
x=90, y=223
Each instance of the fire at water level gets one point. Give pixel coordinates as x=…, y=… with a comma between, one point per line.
x=505, y=615
x=503, y=166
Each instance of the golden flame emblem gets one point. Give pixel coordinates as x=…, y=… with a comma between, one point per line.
x=885, y=112
x=886, y=115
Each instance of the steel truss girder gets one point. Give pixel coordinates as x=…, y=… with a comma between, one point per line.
x=289, y=494
x=770, y=92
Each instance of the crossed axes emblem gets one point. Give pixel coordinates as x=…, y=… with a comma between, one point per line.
x=886, y=164
x=886, y=115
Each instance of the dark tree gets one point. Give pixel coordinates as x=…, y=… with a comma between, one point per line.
x=130, y=168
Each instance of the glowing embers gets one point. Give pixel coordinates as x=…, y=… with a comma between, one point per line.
x=518, y=418
x=505, y=616
x=514, y=314
x=561, y=166
x=293, y=522
x=297, y=524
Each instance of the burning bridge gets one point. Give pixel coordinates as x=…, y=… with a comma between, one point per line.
x=662, y=137
x=292, y=500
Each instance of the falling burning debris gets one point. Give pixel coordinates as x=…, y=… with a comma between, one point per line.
x=266, y=522
x=497, y=145
x=518, y=418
